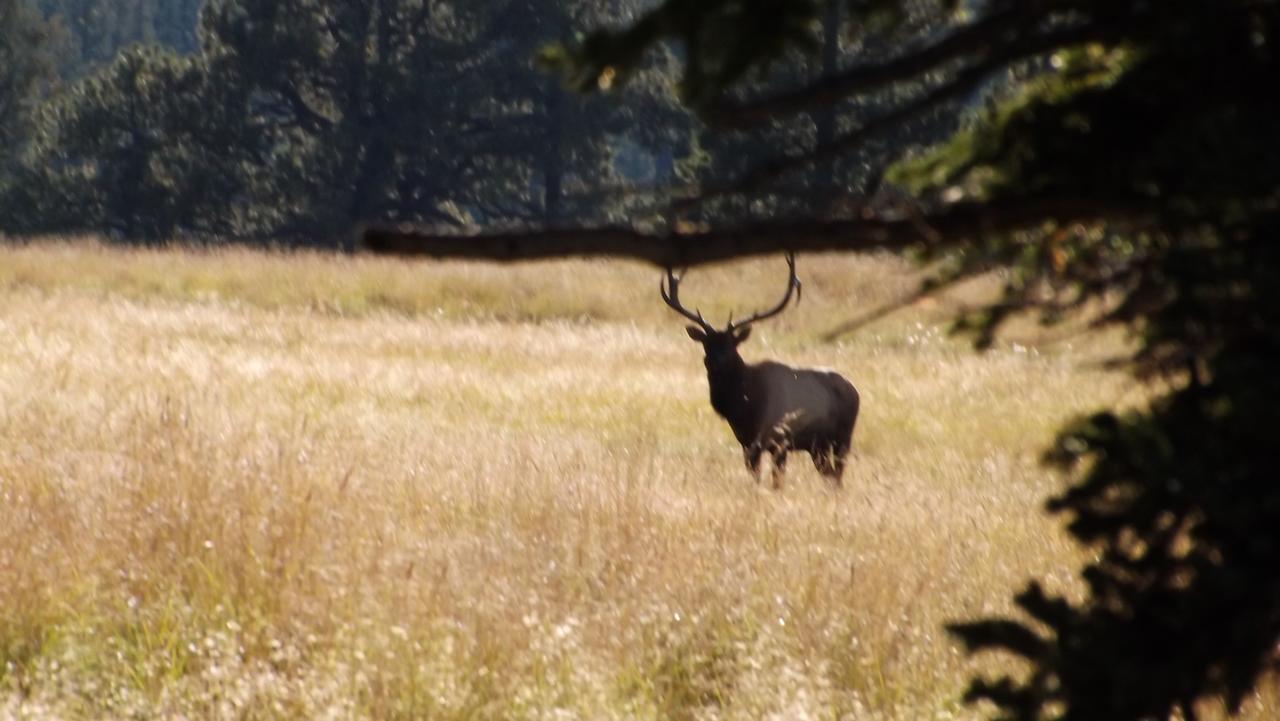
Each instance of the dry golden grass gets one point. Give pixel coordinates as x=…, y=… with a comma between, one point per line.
x=249, y=485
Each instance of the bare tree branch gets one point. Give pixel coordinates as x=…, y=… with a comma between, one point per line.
x=699, y=247
x=967, y=81
x=976, y=39
x=855, y=324
x=302, y=110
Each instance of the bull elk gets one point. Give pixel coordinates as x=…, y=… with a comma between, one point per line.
x=773, y=408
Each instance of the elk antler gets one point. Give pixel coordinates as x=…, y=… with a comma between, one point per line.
x=672, y=299
x=793, y=284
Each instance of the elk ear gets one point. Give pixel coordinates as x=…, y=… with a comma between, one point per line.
x=741, y=334
x=696, y=333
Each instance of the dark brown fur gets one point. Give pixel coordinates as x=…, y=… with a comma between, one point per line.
x=774, y=408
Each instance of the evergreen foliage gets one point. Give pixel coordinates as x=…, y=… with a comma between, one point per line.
x=143, y=149
x=93, y=31
x=1134, y=166
x=302, y=120
x=400, y=110
x=24, y=64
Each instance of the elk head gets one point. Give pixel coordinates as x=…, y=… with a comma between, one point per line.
x=721, y=346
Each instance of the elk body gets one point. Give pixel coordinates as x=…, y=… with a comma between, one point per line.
x=773, y=408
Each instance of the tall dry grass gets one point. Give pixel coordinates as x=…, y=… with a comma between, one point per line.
x=249, y=485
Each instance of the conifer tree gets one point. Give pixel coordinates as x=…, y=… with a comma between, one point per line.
x=1120, y=155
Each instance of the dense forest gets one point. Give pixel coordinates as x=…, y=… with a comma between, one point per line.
x=297, y=122
x=89, y=33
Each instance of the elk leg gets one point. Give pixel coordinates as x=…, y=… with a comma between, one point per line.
x=779, y=467
x=778, y=444
x=829, y=460
x=838, y=456
x=822, y=460
x=751, y=455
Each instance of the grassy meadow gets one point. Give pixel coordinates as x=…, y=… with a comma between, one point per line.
x=250, y=485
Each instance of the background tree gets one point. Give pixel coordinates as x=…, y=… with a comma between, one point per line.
x=24, y=63
x=143, y=149
x=95, y=30
x=1117, y=155
x=311, y=118
x=734, y=180
x=403, y=110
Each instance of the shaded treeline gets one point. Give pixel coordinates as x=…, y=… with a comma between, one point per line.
x=298, y=121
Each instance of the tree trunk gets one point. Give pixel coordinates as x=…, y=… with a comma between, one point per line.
x=825, y=119
x=552, y=157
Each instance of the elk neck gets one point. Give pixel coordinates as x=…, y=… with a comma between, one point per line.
x=730, y=392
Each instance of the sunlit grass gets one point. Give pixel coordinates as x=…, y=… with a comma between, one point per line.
x=266, y=485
